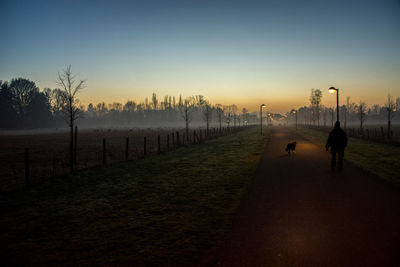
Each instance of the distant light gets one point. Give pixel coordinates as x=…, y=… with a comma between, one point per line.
x=263, y=105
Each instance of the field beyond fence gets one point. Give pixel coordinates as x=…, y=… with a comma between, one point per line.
x=48, y=154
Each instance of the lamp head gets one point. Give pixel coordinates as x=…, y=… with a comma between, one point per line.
x=332, y=89
x=263, y=105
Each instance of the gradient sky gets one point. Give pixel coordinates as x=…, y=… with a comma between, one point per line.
x=242, y=52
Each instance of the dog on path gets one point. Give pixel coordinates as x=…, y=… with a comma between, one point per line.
x=291, y=147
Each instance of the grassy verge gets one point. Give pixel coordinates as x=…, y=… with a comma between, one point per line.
x=171, y=209
x=380, y=159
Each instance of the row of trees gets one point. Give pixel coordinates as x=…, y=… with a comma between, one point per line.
x=169, y=112
x=23, y=105
x=351, y=113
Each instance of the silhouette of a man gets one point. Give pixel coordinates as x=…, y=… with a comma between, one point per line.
x=337, y=141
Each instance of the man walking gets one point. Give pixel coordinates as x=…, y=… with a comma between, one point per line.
x=337, y=141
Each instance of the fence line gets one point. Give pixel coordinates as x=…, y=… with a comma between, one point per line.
x=371, y=134
x=178, y=138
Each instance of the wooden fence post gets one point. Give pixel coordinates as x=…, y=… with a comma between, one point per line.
x=177, y=139
x=173, y=140
x=104, y=152
x=183, y=139
x=27, y=174
x=194, y=136
x=159, y=144
x=144, y=146
x=127, y=148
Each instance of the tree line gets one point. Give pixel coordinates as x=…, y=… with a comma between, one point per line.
x=23, y=105
x=350, y=113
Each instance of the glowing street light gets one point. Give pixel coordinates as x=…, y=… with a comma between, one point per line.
x=261, y=106
x=333, y=90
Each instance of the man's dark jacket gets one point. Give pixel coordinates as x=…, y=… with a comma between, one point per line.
x=337, y=140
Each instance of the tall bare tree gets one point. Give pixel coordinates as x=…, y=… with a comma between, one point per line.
x=390, y=107
x=220, y=113
x=71, y=109
x=362, y=108
x=234, y=110
x=154, y=101
x=206, y=110
x=186, y=111
x=346, y=113
x=315, y=99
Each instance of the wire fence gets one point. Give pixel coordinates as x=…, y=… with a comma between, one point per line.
x=29, y=159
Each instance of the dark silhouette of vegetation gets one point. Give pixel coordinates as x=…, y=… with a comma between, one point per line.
x=315, y=99
x=70, y=107
x=351, y=113
x=390, y=108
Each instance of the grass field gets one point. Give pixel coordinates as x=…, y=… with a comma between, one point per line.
x=172, y=209
x=49, y=151
x=378, y=158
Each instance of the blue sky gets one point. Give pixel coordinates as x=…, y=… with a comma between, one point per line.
x=239, y=52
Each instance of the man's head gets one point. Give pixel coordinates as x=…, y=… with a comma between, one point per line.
x=337, y=124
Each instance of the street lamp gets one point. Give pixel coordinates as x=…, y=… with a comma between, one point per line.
x=261, y=106
x=333, y=90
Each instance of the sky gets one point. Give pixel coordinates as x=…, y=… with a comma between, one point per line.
x=241, y=52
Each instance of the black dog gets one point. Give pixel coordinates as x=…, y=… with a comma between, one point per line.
x=291, y=147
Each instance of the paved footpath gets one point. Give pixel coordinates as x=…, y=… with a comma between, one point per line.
x=297, y=212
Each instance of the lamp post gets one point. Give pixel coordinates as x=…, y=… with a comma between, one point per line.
x=261, y=106
x=333, y=90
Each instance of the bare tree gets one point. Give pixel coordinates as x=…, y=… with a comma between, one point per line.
x=315, y=99
x=101, y=109
x=206, y=110
x=234, y=110
x=22, y=92
x=56, y=99
x=220, y=113
x=154, y=101
x=71, y=109
x=390, y=106
x=346, y=113
x=362, y=107
x=245, y=114
x=228, y=114
x=186, y=111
